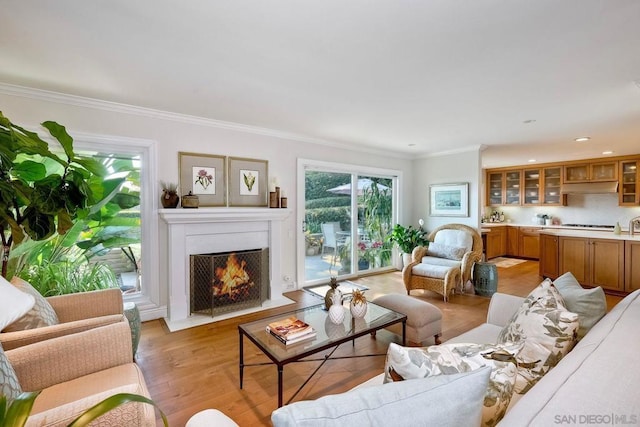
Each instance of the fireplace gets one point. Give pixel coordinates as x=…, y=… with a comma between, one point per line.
x=229, y=281
x=213, y=231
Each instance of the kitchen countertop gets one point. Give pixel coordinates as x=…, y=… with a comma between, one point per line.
x=563, y=230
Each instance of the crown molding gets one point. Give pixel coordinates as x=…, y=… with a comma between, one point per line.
x=98, y=104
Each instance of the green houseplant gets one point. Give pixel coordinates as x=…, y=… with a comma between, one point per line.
x=17, y=412
x=407, y=238
x=45, y=196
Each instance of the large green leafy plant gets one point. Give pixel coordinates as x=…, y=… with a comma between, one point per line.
x=43, y=194
x=17, y=412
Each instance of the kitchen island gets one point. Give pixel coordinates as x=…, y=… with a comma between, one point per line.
x=594, y=257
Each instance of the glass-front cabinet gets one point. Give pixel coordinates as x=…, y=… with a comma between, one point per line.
x=585, y=172
x=551, y=184
x=531, y=187
x=629, y=194
x=512, y=187
x=495, y=188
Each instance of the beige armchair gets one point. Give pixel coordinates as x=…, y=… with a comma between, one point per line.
x=76, y=312
x=447, y=262
x=79, y=370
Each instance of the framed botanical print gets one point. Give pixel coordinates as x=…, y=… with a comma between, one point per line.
x=248, y=182
x=204, y=175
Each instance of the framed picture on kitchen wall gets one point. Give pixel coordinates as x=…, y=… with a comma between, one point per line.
x=204, y=175
x=248, y=182
x=449, y=199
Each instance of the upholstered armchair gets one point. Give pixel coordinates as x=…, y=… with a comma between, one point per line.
x=447, y=262
x=76, y=371
x=75, y=313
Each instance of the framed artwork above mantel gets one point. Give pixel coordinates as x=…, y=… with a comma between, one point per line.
x=203, y=175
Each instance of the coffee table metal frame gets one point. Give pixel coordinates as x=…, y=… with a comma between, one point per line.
x=329, y=336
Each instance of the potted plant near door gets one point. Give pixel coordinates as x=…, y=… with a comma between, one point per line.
x=407, y=238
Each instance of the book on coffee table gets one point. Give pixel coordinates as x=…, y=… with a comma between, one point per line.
x=290, y=330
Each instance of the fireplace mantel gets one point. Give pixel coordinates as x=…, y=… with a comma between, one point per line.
x=200, y=215
x=211, y=230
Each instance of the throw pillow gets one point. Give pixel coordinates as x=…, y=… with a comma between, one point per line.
x=589, y=304
x=404, y=363
x=445, y=251
x=454, y=400
x=13, y=304
x=546, y=328
x=9, y=385
x=42, y=314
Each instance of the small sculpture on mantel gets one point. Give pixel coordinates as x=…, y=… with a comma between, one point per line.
x=169, y=198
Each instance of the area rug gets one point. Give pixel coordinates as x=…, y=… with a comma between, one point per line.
x=506, y=262
x=346, y=287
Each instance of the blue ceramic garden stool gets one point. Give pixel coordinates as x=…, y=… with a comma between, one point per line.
x=485, y=278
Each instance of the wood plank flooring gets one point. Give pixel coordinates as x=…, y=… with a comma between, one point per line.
x=196, y=369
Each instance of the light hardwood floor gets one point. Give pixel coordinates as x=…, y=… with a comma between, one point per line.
x=195, y=369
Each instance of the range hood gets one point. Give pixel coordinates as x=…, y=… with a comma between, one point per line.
x=590, y=187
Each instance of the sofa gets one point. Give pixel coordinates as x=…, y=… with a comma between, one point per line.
x=77, y=371
x=595, y=383
x=446, y=263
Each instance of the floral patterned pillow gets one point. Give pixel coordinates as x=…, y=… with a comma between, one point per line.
x=404, y=363
x=547, y=330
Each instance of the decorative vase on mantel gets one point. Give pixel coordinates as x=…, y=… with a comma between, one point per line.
x=333, y=284
x=169, y=198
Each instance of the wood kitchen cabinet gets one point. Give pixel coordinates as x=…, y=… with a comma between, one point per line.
x=551, y=182
x=529, y=242
x=513, y=237
x=632, y=266
x=548, y=265
x=629, y=185
x=495, y=188
x=496, y=242
x=531, y=191
x=590, y=172
x=593, y=262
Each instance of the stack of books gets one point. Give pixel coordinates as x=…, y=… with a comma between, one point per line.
x=291, y=330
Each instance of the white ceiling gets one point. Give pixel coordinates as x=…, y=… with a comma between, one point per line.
x=416, y=77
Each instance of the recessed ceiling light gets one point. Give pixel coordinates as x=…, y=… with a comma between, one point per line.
x=607, y=152
x=532, y=160
x=582, y=139
x=412, y=145
x=529, y=121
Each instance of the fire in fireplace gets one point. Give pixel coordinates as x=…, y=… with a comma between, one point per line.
x=229, y=281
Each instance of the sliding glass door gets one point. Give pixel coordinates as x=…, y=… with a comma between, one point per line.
x=347, y=218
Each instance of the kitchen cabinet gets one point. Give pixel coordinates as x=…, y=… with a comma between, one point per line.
x=504, y=188
x=496, y=242
x=551, y=182
x=529, y=242
x=593, y=262
x=632, y=265
x=513, y=237
x=548, y=265
x=531, y=191
x=629, y=184
x=495, y=188
x=591, y=172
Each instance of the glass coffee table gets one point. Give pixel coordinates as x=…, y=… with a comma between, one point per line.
x=328, y=336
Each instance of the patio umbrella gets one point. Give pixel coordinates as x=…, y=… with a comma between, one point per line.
x=363, y=184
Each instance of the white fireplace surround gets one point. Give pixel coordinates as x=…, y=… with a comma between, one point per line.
x=214, y=230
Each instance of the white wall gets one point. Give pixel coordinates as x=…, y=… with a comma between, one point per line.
x=581, y=209
x=174, y=135
x=448, y=168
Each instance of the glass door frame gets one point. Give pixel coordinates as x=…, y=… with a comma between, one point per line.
x=355, y=171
